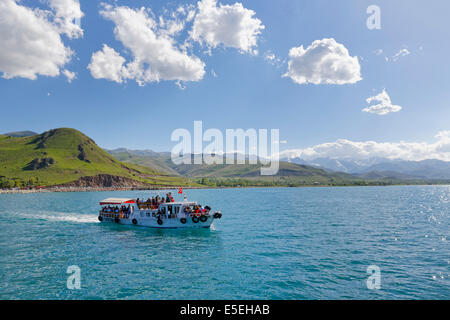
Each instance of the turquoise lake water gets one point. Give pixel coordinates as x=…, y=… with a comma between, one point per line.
x=277, y=243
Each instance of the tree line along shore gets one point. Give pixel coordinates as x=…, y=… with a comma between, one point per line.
x=98, y=189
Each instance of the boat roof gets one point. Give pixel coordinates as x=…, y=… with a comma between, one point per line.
x=132, y=201
x=179, y=202
x=116, y=201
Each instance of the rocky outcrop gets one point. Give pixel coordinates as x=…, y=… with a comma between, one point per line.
x=38, y=163
x=104, y=180
x=82, y=154
x=41, y=140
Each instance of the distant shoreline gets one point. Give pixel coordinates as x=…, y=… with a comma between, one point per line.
x=90, y=189
x=100, y=189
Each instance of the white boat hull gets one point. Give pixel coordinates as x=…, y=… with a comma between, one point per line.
x=145, y=219
x=169, y=215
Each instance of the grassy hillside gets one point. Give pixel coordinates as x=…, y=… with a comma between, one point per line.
x=61, y=156
x=247, y=170
x=163, y=162
x=156, y=161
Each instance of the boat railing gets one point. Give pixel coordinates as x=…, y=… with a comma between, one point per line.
x=196, y=214
x=147, y=206
x=120, y=214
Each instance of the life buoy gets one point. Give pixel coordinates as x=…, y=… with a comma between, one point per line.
x=160, y=222
x=183, y=220
x=197, y=214
x=194, y=219
x=203, y=218
x=134, y=221
x=217, y=215
x=100, y=218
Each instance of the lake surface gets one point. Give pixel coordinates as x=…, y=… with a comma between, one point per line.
x=277, y=243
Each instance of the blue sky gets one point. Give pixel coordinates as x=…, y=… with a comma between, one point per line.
x=250, y=92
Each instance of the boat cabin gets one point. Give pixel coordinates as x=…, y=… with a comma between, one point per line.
x=113, y=207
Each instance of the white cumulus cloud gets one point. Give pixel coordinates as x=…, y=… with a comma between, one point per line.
x=68, y=16
x=69, y=75
x=360, y=150
x=323, y=62
x=156, y=55
x=384, y=106
x=31, y=43
x=228, y=25
x=273, y=59
x=401, y=53
x=108, y=64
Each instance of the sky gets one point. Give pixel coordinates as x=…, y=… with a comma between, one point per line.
x=128, y=73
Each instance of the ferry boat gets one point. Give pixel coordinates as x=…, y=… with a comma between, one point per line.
x=185, y=214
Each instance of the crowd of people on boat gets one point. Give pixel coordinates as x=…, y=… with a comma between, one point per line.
x=154, y=202
x=116, y=209
x=196, y=209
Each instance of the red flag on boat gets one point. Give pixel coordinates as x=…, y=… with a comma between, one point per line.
x=180, y=190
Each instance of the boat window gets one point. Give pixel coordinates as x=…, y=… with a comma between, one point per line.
x=177, y=209
x=169, y=209
x=163, y=210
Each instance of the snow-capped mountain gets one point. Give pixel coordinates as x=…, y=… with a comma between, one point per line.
x=431, y=169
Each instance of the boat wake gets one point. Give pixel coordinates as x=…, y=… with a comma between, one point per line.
x=72, y=217
x=61, y=216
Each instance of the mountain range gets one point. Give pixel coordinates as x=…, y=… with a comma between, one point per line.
x=67, y=157
x=372, y=168
x=424, y=169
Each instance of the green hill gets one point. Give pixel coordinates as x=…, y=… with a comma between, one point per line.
x=64, y=156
